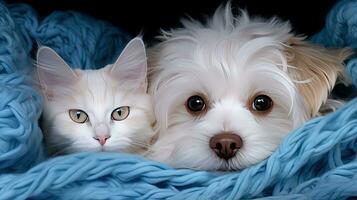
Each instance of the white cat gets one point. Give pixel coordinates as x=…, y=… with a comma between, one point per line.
x=96, y=110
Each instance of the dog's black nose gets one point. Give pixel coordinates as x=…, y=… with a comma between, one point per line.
x=226, y=145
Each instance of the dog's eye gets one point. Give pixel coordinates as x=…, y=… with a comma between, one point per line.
x=262, y=103
x=120, y=113
x=78, y=116
x=195, y=104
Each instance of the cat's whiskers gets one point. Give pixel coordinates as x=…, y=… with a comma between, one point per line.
x=73, y=145
x=133, y=141
x=136, y=146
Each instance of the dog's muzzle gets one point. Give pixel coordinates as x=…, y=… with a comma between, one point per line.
x=226, y=145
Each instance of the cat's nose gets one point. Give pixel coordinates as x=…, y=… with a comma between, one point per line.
x=102, y=139
x=226, y=145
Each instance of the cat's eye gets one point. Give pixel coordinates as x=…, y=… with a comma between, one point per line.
x=262, y=103
x=120, y=113
x=195, y=104
x=78, y=116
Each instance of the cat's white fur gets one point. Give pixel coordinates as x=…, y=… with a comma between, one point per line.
x=98, y=93
x=229, y=60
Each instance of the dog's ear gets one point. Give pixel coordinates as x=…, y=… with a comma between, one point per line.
x=315, y=70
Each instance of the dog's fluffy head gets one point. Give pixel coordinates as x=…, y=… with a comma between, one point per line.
x=228, y=62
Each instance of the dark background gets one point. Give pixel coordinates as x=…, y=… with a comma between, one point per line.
x=307, y=16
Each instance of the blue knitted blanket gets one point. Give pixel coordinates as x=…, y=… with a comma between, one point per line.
x=316, y=161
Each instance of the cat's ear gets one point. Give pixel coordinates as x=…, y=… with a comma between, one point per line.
x=131, y=66
x=53, y=71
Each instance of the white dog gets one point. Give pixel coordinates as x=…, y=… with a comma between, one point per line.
x=228, y=91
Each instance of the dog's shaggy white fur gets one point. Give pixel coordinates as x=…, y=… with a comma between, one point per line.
x=229, y=62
